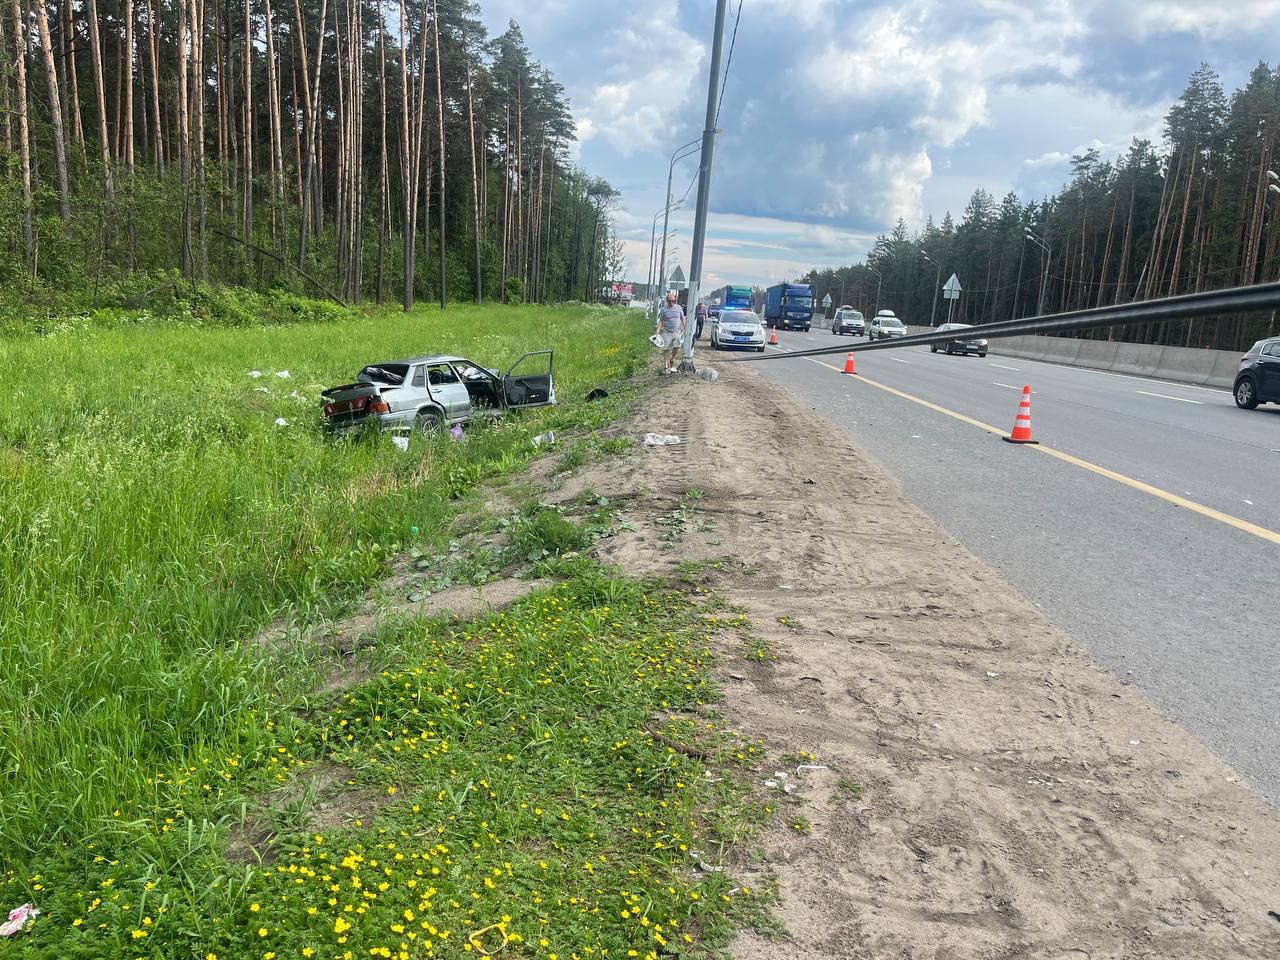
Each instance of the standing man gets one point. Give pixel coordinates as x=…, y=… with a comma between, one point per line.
x=701, y=314
x=671, y=331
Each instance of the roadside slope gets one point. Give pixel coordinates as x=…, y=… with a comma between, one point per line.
x=1013, y=799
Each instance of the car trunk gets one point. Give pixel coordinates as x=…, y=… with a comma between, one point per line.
x=351, y=404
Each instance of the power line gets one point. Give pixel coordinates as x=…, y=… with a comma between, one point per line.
x=728, y=63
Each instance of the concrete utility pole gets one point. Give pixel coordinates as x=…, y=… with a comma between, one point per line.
x=704, y=182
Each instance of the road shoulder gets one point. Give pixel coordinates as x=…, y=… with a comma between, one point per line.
x=989, y=790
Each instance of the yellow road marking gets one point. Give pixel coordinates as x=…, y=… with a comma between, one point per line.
x=1263, y=533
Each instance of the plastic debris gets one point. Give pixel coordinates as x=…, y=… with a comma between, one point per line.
x=806, y=767
x=708, y=374
x=456, y=431
x=255, y=374
x=660, y=439
x=281, y=422
x=656, y=340
x=599, y=393
x=295, y=395
x=545, y=439
x=402, y=443
x=261, y=390
x=282, y=374
x=993, y=676
x=708, y=868
x=20, y=920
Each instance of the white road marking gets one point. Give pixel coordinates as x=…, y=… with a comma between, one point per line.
x=899, y=359
x=1003, y=367
x=1165, y=396
x=997, y=383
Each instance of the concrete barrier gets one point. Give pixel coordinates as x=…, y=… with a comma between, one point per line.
x=1142, y=359
x=1213, y=368
x=1185, y=364
x=1225, y=365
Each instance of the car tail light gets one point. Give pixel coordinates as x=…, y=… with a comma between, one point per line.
x=379, y=406
x=328, y=409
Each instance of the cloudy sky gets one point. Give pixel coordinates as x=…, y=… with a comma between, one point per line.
x=840, y=116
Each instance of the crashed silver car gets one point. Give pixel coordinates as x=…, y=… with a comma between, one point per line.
x=425, y=393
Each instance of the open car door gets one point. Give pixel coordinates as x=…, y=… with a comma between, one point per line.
x=529, y=382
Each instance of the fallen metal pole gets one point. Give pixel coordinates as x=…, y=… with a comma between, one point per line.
x=1236, y=300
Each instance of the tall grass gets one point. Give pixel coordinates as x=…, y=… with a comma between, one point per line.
x=153, y=516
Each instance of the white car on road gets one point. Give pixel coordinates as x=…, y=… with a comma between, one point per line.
x=737, y=328
x=886, y=326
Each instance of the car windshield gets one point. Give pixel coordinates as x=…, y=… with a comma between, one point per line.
x=890, y=322
x=795, y=301
x=750, y=319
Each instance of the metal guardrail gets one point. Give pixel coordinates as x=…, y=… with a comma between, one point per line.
x=1237, y=300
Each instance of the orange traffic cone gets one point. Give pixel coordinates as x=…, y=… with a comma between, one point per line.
x=849, y=365
x=1022, y=425
x=773, y=336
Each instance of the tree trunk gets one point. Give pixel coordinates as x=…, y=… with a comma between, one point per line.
x=153, y=45
x=444, y=290
x=184, y=141
x=408, y=177
x=475, y=183
x=55, y=115
x=248, y=123
x=24, y=142
x=128, y=87
x=197, y=136
x=95, y=45
x=382, y=151
x=312, y=92
x=69, y=68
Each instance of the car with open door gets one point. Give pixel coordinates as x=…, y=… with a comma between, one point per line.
x=428, y=392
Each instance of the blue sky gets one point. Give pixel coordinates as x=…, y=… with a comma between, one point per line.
x=842, y=115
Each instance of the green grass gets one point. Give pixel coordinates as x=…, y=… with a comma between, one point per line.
x=508, y=787
x=155, y=517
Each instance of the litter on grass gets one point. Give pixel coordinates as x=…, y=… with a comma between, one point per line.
x=282, y=374
x=708, y=374
x=402, y=443
x=456, y=431
x=261, y=390
x=281, y=422
x=21, y=919
x=255, y=374
x=660, y=439
x=546, y=439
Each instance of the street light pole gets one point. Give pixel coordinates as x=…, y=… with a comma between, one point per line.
x=1044, y=282
x=653, y=249
x=704, y=181
x=937, y=281
x=879, y=281
x=671, y=169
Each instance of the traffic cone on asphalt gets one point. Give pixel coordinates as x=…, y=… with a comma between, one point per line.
x=849, y=365
x=1022, y=424
x=773, y=336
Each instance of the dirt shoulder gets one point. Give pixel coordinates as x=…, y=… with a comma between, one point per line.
x=991, y=791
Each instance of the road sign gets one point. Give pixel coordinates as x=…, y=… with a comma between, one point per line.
x=952, y=289
x=826, y=301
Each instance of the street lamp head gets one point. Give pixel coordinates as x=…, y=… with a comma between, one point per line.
x=1273, y=188
x=1273, y=175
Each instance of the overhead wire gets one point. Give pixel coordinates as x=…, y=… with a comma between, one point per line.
x=724, y=80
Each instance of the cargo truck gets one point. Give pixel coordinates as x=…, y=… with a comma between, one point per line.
x=789, y=306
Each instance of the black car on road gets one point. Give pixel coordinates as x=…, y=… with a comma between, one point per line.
x=1258, y=379
x=962, y=344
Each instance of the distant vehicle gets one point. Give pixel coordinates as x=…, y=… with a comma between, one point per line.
x=1258, y=379
x=737, y=328
x=886, y=326
x=962, y=344
x=789, y=306
x=849, y=320
x=425, y=393
x=737, y=298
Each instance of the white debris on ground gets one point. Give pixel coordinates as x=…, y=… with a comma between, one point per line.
x=281, y=422
x=660, y=439
x=255, y=374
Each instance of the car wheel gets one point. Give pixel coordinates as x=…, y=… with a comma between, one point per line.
x=1246, y=394
x=982, y=356
x=427, y=421
x=759, y=349
x=933, y=348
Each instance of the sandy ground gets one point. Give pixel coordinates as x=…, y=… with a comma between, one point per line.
x=991, y=791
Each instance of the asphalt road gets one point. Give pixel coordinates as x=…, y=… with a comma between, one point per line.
x=1170, y=596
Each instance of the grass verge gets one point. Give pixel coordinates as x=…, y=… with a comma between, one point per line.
x=156, y=516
